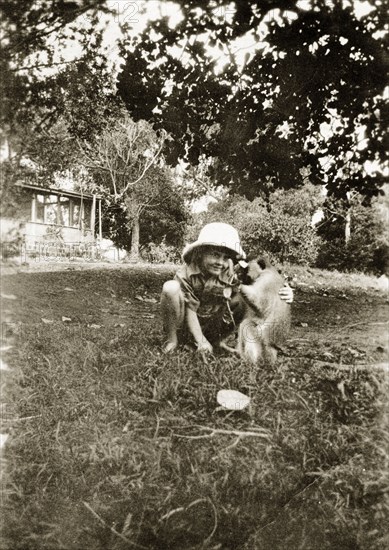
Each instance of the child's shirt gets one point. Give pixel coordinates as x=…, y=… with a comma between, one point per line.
x=205, y=296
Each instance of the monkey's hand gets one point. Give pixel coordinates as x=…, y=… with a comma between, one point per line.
x=286, y=293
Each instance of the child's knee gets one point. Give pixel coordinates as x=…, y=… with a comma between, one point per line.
x=172, y=307
x=171, y=288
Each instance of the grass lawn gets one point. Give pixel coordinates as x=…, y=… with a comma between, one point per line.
x=115, y=446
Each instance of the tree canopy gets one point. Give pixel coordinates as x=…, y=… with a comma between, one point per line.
x=37, y=78
x=306, y=96
x=257, y=96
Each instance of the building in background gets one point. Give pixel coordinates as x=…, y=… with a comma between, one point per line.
x=45, y=220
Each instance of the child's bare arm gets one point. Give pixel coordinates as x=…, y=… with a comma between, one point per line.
x=195, y=329
x=286, y=293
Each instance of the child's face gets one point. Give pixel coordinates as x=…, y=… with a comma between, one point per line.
x=214, y=261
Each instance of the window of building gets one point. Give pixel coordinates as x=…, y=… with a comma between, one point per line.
x=40, y=209
x=63, y=217
x=59, y=210
x=75, y=218
x=46, y=208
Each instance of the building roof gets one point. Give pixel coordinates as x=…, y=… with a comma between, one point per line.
x=54, y=191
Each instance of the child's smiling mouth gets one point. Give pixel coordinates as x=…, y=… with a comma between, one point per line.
x=215, y=268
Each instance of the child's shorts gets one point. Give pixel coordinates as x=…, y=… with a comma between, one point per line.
x=215, y=328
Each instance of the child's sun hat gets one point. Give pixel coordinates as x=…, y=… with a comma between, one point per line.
x=217, y=234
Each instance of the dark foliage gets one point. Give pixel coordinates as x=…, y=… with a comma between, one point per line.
x=367, y=248
x=28, y=27
x=319, y=66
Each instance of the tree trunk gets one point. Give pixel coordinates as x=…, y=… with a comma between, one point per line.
x=347, y=230
x=134, y=253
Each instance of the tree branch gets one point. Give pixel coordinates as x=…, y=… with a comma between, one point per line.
x=145, y=169
x=215, y=431
x=39, y=65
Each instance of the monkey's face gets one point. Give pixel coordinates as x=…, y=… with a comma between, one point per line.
x=248, y=272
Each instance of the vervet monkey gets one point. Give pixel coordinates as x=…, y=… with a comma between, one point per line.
x=266, y=319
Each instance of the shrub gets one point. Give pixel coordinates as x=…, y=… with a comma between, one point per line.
x=283, y=238
x=160, y=253
x=368, y=247
x=356, y=255
x=280, y=228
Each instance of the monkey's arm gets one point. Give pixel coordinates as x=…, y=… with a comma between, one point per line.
x=265, y=292
x=256, y=296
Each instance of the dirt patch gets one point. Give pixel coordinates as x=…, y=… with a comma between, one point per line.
x=348, y=321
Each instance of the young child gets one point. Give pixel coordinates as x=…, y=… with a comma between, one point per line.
x=202, y=302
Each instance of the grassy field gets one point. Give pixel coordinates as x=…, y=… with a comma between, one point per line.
x=115, y=446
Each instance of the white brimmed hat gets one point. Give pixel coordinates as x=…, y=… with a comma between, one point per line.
x=217, y=234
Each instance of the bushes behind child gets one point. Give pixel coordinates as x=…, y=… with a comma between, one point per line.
x=282, y=229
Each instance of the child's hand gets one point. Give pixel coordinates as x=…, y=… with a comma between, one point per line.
x=204, y=346
x=286, y=293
